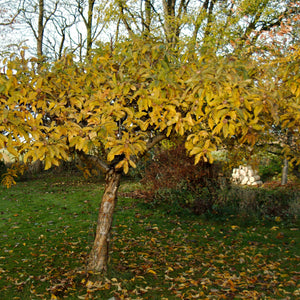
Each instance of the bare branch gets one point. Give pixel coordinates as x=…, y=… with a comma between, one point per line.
x=12, y=20
x=122, y=17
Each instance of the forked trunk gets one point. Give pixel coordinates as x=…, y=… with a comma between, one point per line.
x=99, y=254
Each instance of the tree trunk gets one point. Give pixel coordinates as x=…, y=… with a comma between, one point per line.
x=99, y=254
x=284, y=172
x=148, y=16
x=170, y=20
x=89, y=27
x=40, y=35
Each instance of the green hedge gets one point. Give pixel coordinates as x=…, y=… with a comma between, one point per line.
x=231, y=200
x=278, y=202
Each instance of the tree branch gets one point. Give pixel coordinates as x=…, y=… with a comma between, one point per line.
x=101, y=165
x=12, y=19
x=122, y=17
x=200, y=18
x=155, y=141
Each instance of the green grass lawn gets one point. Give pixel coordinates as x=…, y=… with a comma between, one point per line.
x=46, y=232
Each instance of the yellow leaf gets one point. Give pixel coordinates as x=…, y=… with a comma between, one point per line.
x=257, y=110
x=125, y=167
x=210, y=123
x=189, y=119
x=195, y=150
x=206, y=145
x=197, y=157
x=293, y=88
x=218, y=128
x=47, y=163
x=120, y=164
x=248, y=105
x=151, y=271
x=13, y=151
x=169, y=131
x=274, y=228
x=89, y=284
x=231, y=129
x=132, y=163
x=225, y=130
x=277, y=219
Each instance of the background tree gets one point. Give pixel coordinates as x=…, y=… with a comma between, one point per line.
x=207, y=25
x=88, y=22
x=61, y=39
x=55, y=25
x=37, y=15
x=9, y=13
x=213, y=25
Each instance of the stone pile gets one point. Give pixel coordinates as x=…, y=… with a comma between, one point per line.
x=245, y=175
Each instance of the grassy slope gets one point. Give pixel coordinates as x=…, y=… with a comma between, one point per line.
x=46, y=230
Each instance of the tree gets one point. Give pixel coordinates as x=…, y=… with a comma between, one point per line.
x=57, y=25
x=209, y=25
x=116, y=106
x=44, y=13
x=9, y=13
x=65, y=18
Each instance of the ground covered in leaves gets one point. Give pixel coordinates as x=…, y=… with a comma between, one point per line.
x=46, y=231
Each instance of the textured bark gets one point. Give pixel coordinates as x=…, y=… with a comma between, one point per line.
x=170, y=21
x=99, y=254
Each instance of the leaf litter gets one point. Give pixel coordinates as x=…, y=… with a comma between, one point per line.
x=153, y=255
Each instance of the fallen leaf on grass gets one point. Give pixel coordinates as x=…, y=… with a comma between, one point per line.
x=274, y=228
x=151, y=271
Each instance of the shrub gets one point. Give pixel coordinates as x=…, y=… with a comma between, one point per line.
x=2, y=168
x=172, y=178
x=142, y=165
x=261, y=202
x=172, y=181
x=270, y=167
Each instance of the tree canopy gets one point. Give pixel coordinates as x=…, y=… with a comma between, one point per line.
x=120, y=100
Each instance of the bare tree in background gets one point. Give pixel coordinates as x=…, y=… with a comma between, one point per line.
x=9, y=13
x=37, y=15
x=215, y=25
x=95, y=16
x=61, y=38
